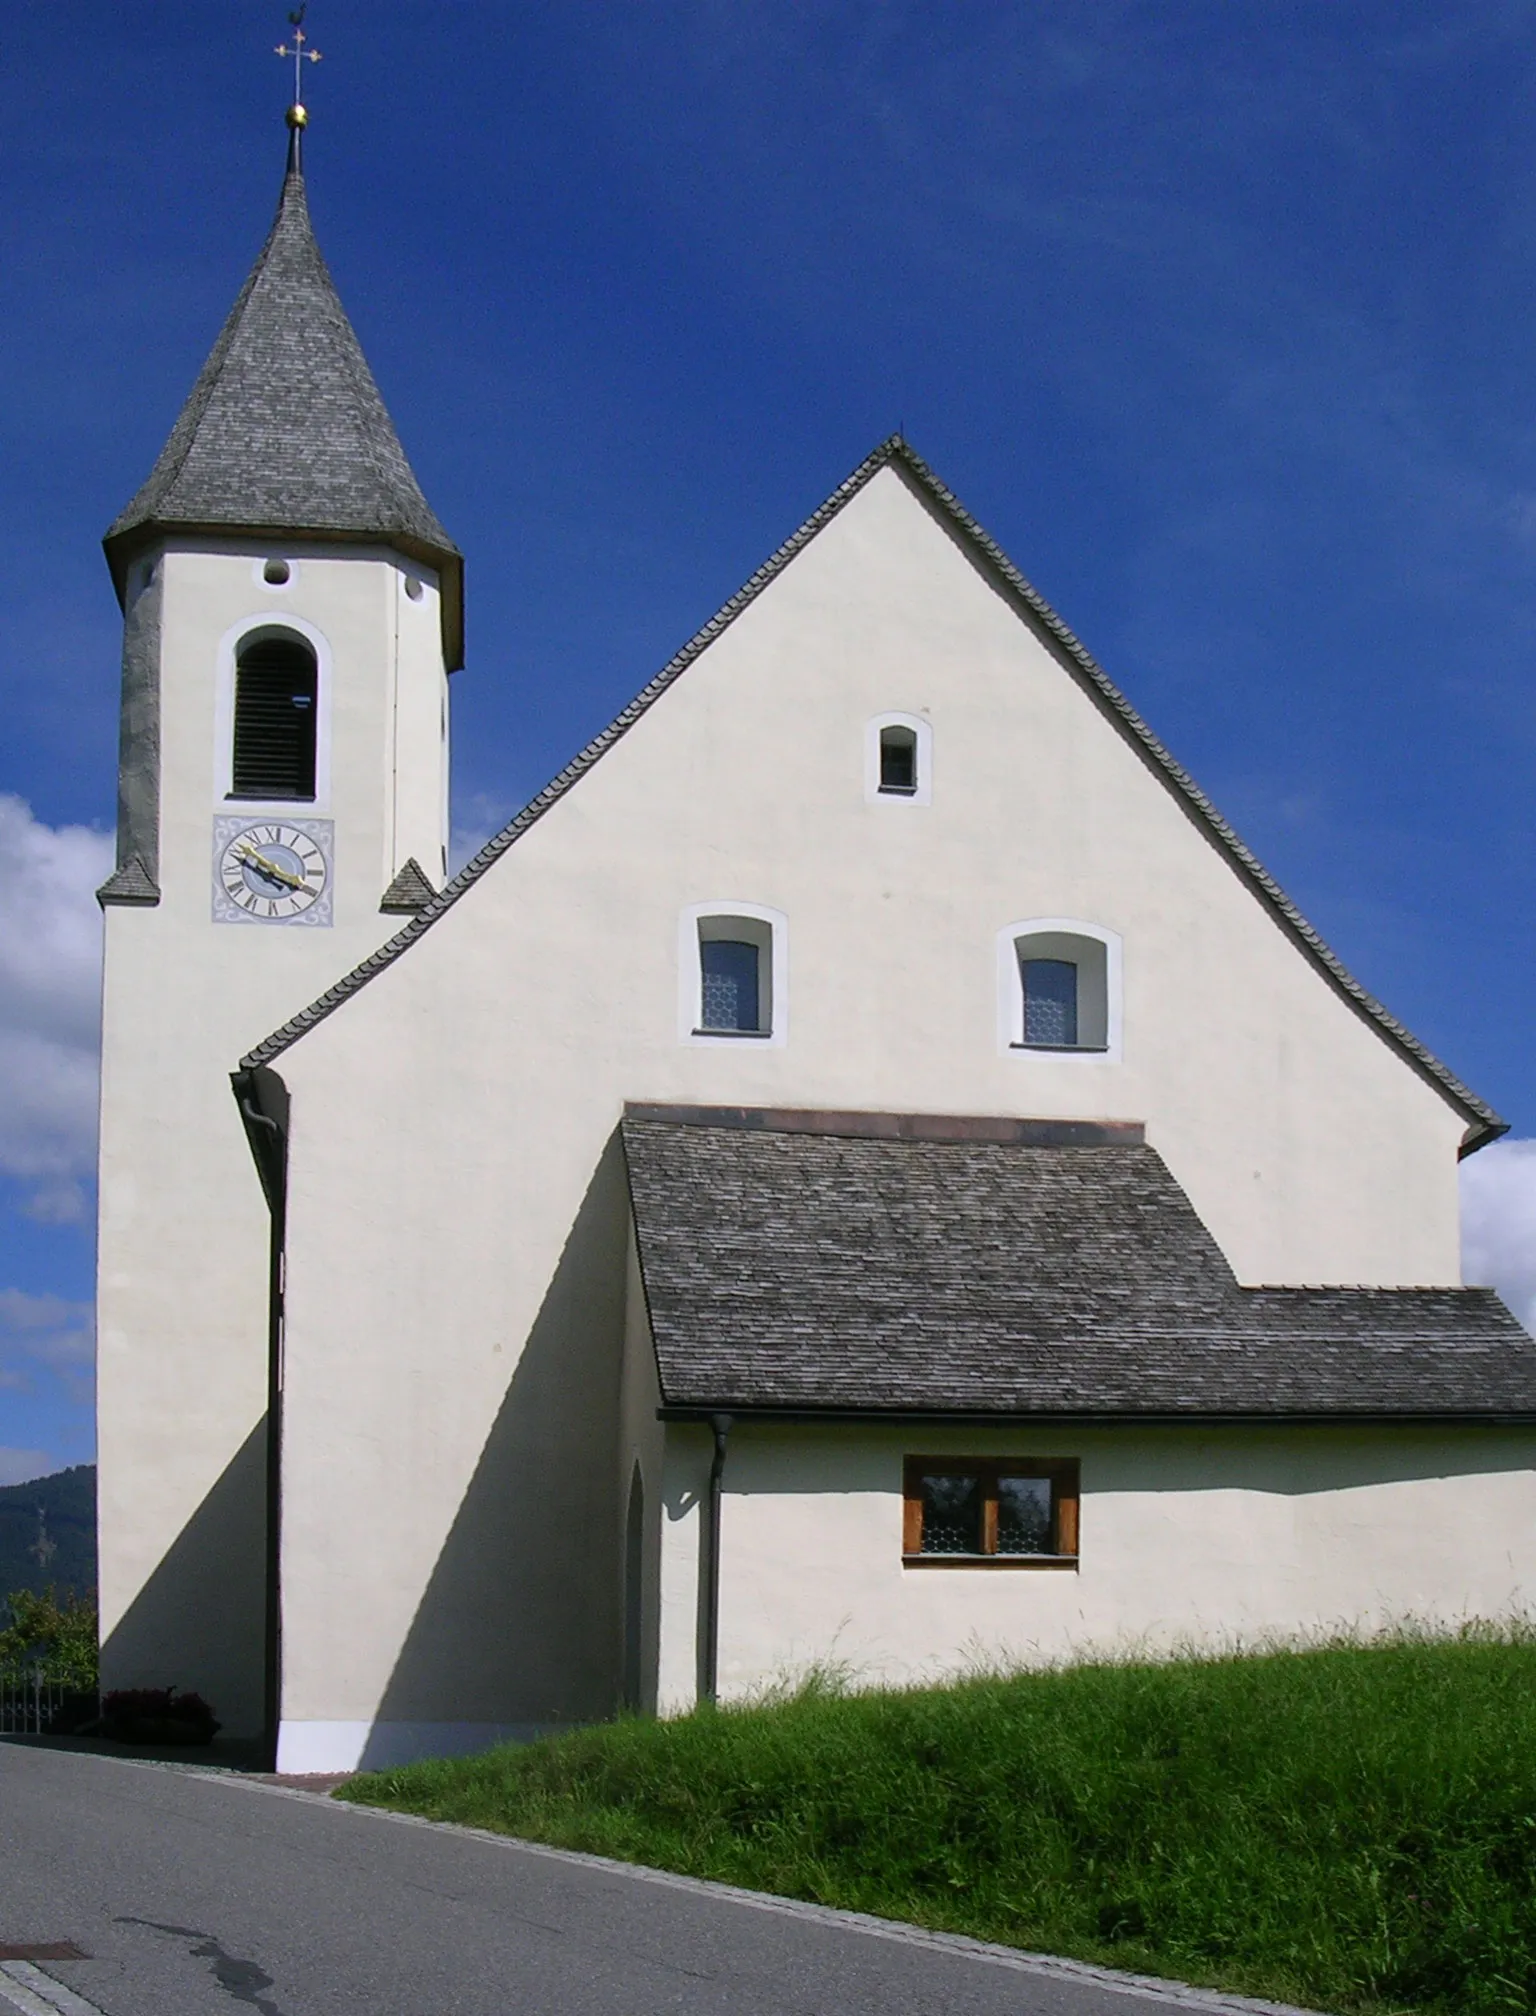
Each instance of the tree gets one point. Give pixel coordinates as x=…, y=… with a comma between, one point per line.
x=53, y=1641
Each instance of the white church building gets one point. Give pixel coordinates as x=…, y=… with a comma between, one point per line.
x=866, y=1170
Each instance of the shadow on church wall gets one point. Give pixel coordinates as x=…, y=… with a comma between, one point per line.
x=1277, y=1459
x=199, y=1621
x=521, y=1619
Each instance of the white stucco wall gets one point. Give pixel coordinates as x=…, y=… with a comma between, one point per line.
x=183, y=1240
x=453, y=1209
x=1188, y=1537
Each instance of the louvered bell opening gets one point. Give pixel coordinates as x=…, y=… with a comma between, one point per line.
x=275, y=694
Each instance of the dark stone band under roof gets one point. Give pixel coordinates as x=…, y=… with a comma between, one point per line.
x=285, y=436
x=815, y=1273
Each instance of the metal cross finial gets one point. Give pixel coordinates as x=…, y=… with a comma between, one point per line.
x=299, y=50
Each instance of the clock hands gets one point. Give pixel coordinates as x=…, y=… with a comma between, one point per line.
x=268, y=868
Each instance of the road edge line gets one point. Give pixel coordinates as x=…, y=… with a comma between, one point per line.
x=35, y=1993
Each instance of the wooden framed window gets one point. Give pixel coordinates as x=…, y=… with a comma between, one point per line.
x=993, y=1512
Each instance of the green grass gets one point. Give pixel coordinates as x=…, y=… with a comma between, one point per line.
x=1352, y=1828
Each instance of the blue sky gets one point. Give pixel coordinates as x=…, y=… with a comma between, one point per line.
x=1219, y=318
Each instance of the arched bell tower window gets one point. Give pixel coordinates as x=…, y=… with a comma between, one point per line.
x=276, y=715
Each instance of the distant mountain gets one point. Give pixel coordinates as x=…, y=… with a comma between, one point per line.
x=48, y=1533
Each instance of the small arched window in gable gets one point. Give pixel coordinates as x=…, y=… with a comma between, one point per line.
x=276, y=710
x=735, y=977
x=1050, y=1001
x=898, y=759
x=732, y=986
x=733, y=973
x=1059, y=987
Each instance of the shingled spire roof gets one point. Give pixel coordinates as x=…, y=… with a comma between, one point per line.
x=285, y=433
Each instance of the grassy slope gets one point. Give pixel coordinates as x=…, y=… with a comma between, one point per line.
x=1350, y=1828
x=60, y=1510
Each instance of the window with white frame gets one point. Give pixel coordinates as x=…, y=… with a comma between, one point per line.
x=733, y=973
x=898, y=759
x=1059, y=988
x=271, y=711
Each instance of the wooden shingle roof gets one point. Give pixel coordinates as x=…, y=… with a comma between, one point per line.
x=835, y=1269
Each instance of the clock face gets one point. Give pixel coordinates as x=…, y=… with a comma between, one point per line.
x=272, y=871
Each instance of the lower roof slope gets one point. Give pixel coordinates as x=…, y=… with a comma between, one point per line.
x=810, y=1273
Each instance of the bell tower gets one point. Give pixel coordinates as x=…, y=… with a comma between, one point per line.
x=292, y=609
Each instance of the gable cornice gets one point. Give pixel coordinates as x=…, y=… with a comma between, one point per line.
x=1484, y=1124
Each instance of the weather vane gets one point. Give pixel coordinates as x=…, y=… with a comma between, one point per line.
x=301, y=53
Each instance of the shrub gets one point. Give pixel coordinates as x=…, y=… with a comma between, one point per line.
x=157, y=1715
x=50, y=1641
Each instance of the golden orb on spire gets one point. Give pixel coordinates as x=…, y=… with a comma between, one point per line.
x=297, y=116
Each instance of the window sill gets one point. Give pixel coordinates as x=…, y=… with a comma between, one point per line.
x=734, y=1035
x=1066, y=1049
x=989, y=1561
x=896, y=791
x=271, y=798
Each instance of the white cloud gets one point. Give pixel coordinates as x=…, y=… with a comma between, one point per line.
x=46, y=1340
x=1498, y=1223
x=64, y=1203
x=20, y=1466
x=56, y=1327
x=50, y=1002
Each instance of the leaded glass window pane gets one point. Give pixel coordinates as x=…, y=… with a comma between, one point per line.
x=730, y=984
x=1050, y=1001
x=951, y=1515
x=1024, y=1516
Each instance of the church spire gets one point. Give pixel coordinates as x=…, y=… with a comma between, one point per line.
x=284, y=434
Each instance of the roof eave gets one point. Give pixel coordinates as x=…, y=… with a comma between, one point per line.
x=679, y=1413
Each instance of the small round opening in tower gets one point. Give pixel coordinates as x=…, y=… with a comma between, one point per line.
x=413, y=588
x=277, y=573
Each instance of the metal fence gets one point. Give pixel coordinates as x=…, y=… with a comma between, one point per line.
x=33, y=1706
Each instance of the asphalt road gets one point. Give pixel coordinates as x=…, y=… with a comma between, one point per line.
x=195, y=1894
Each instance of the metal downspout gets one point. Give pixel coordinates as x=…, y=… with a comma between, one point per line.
x=721, y=1424
x=272, y=1168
